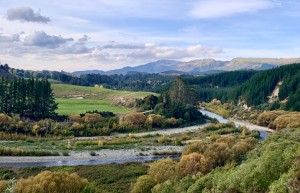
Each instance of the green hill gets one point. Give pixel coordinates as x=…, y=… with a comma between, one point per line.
x=79, y=99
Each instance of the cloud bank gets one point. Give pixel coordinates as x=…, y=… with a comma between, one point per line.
x=41, y=39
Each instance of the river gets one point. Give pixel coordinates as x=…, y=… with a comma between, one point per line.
x=263, y=131
x=121, y=156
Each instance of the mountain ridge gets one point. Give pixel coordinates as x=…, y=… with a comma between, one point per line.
x=199, y=66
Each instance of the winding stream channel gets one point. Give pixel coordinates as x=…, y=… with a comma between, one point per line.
x=123, y=155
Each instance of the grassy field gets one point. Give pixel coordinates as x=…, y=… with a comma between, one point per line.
x=76, y=106
x=69, y=91
x=79, y=99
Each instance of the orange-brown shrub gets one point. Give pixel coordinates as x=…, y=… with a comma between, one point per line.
x=3, y=185
x=198, y=147
x=134, y=119
x=288, y=120
x=192, y=164
x=267, y=118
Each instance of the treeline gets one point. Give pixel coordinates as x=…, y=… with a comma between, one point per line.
x=131, y=81
x=224, y=79
x=27, y=97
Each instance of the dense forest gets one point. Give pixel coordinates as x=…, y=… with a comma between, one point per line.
x=251, y=87
x=27, y=97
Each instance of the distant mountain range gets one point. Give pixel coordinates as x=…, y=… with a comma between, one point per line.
x=202, y=66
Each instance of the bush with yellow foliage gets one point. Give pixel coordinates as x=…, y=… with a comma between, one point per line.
x=135, y=120
x=288, y=120
x=192, y=164
x=162, y=170
x=144, y=184
x=53, y=182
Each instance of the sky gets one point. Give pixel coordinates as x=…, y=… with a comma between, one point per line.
x=73, y=35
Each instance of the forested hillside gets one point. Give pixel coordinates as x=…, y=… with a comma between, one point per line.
x=251, y=87
x=259, y=87
x=131, y=81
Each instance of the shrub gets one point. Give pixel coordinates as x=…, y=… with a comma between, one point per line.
x=163, y=140
x=65, y=153
x=135, y=120
x=54, y=182
x=218, y=154
x=3, y=185
x=74, y=118
x=192, y=164
x=171, y=122
x=162, y=170
x=144, y=184
x=154, y=120
x=267, y=118
x=289, y=120
x=92, y=119
x=198, y=147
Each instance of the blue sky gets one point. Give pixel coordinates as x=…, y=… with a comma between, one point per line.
x=107, y=34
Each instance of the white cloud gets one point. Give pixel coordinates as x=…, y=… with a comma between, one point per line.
x=157, y=52
x=9, y=38
x=220, y=8
x=40, y=46
x=116, y=45
x=41, y=39
x=26, y=14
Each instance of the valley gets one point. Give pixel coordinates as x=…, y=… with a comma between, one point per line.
x=198, y=119
x=136, y=96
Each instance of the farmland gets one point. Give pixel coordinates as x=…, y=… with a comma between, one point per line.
x=79, y=99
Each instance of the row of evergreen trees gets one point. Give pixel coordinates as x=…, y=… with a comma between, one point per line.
x=27, y=97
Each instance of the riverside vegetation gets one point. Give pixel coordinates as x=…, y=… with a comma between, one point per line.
x=117, y=177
